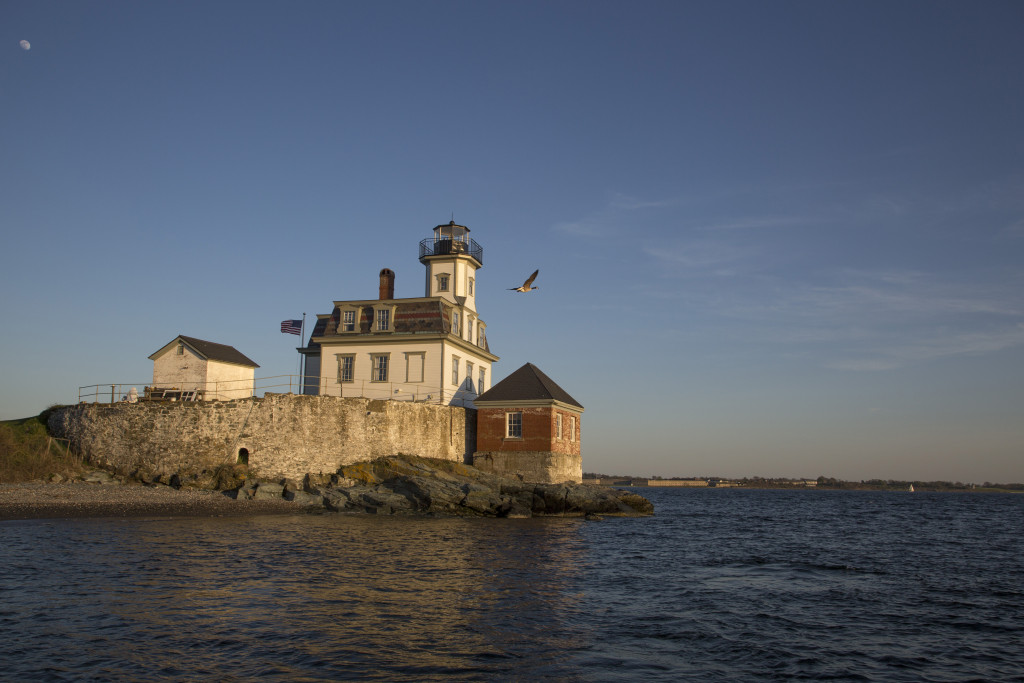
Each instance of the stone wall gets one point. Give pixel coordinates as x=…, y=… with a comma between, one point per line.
x=543, y=467
x=280, y=435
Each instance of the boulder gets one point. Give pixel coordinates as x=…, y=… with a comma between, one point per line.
x=304, y=499
x=268, y=490
x=99, y=477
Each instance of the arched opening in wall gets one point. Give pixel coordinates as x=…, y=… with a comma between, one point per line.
x=243, y=456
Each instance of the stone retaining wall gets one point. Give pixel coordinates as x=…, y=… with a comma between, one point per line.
x=280, y=435
x=544, y=467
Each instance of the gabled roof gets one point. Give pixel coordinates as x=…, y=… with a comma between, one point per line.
x=527, y=383
x=211, y=351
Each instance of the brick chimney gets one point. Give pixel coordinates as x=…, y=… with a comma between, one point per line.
x=387, y=284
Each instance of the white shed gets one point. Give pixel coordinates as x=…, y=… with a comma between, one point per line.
x=187, y=368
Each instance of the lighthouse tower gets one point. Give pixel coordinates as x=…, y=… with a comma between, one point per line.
x=452, y=259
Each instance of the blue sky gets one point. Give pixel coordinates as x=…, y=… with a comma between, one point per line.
x=774, y=238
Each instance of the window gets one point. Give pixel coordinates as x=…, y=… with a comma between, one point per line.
x=414, y=366
x=558, y=426
x=380, y=367
x=572, y=429
x=346, y=368
x=181, y=349
x=469, y=327
x=455, y=370
x=442, y=282
x=481, y=387
x=348, y=321
x=383, y=319
x=471, y=283
x=469, y=375
x=513, y=425
x=455, y=323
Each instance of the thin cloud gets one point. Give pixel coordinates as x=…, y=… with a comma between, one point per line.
x=754, y=223
x=581, y=229
x=618, y=211
x=862, y=321
x=927, y=348
x=628, y=203
x=701, y=254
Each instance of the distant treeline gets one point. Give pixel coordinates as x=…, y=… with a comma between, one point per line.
x=831, y=483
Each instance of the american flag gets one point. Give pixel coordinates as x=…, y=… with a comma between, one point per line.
x=291, y=326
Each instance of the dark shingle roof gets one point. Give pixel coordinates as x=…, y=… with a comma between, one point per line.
x=220, y=352
x=415, y=316
x=527, y=383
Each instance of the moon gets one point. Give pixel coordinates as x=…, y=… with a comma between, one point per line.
x=25, y=45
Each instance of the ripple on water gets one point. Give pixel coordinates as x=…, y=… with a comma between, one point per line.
x=719, y=585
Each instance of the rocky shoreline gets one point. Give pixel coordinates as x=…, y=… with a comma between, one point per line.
x=396, y=485
x=80, y=499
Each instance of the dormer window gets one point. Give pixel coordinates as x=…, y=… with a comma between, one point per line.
x=383, y=319
x=348, y=321
x=455, y=323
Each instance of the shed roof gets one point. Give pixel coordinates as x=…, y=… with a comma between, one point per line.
x=527, y=383
x=212, y=351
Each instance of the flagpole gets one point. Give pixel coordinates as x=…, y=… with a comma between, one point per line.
x=302, y=356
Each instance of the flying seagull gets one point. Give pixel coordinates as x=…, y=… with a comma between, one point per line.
x=526, y=285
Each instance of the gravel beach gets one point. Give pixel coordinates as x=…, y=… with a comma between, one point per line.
x=79, y=500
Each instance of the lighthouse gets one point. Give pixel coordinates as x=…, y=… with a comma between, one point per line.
x=432, y=348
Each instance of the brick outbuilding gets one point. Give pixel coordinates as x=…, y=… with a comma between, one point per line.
x=529, y=426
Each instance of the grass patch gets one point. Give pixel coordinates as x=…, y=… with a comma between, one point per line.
x=28, y=453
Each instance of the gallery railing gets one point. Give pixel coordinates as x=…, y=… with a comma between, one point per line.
x=444, y=247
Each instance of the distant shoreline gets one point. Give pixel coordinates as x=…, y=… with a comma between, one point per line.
x=796, y=485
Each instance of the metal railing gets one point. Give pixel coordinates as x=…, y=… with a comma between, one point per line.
x=231, y=389
x=186, y=391
x=433, y=246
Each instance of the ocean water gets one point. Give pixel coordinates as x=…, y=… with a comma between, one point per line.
x=719, y=585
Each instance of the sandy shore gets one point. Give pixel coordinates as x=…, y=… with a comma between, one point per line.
x=80, y=500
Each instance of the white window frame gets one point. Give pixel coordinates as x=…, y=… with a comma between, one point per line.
x=342, y=357
x=514, y=425
x=383, y=320
x=469, y=375
x=572, y=429
x=379, y=369
x=558, y=426
x=346, y=325
x=409, y=378
x=455, y=370
x=482, y=387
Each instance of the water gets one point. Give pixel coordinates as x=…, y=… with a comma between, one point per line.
x=719, y=585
